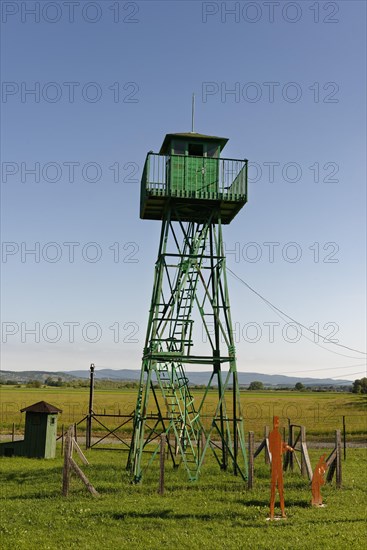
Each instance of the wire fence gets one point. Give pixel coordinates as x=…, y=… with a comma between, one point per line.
x=321, y=416
x=114, y=427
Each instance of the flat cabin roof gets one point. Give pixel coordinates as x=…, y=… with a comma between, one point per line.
x=190, y=136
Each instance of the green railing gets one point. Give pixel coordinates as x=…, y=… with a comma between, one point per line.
x=195, y=177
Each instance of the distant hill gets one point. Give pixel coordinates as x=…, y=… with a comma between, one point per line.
x=196, y=378
x=26, y=376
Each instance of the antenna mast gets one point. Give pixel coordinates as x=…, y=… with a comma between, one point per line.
x=193, y=113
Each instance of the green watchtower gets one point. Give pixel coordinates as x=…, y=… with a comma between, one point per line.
x=193, y=191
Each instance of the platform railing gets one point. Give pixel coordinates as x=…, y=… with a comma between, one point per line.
x=195, y=177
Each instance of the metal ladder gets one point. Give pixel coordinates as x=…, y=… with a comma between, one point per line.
x=184, y=421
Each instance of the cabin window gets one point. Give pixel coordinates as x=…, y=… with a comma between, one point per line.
x=196, y=149
x=179, y=148
x=52, y=420
x=212, y=151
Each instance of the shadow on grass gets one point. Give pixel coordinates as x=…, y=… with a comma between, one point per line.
x=169, y=515
x=36, y=496
x=203, y=487
x=265, y=502
x=163, y=514
x=31, y=475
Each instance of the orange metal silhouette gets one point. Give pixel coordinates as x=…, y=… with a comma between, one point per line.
x=277, y=447
x=318, y=481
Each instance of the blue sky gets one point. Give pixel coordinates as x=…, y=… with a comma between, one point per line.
x=285, y=82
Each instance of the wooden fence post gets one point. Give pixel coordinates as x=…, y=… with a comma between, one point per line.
x=251, y=450
x=334, y=461
x=161, y=463
x=83, y=477
x=338, y=459
x=306, y=468
x=290, y=443
x=344, y=439
x=62, y=440
x=303, y=461
x=70, y=464
x=266, y=437
x=66, y=468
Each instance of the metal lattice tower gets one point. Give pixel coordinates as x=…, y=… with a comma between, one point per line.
x=194, y=192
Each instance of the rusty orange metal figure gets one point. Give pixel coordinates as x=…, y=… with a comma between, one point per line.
x=318, y=481
x=277, y=447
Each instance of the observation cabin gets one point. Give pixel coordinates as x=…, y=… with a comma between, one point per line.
x=189, y=178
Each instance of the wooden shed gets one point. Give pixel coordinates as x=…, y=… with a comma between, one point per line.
x=40, y=433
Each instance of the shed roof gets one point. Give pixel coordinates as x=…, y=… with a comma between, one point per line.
x=42, y=407
x=191, y=136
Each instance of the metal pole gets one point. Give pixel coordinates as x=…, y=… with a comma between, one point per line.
x=161, y=462
x=251, y=449
x=344, y=439
x=216, y=351
x=235, y=441
x=90, y=408
x=202, y=437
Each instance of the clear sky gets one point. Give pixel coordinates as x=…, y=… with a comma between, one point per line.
x=90, y=87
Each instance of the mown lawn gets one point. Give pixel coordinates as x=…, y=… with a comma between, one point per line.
x=217, y=512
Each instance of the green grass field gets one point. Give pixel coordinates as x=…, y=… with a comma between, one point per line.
x=321, y=413
x=216, y=512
